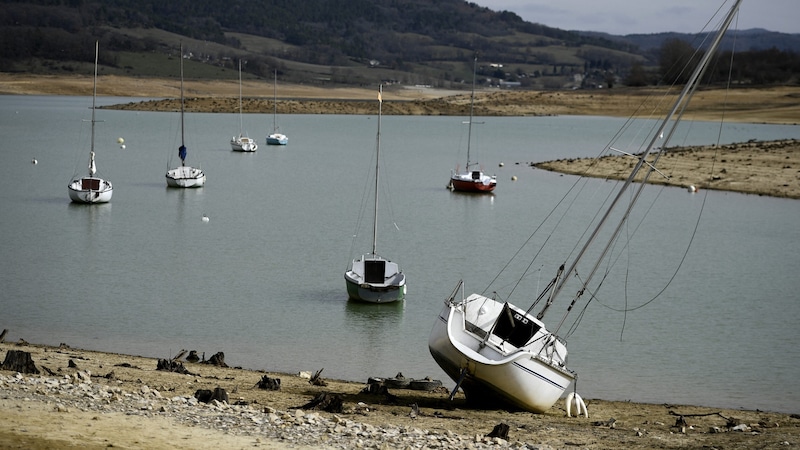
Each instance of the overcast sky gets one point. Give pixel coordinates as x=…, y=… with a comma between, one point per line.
x=622, y=17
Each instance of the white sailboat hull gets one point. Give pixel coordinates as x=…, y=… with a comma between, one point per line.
x=277, y=139
x=532, y=377
x=185, y=177
x=373, y=279
x=90, y=190
x=243, y=144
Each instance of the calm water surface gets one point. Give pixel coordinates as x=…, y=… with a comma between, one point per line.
x=262, y=280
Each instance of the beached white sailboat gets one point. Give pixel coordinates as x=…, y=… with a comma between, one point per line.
x=372, y=278
x=91, y=189
x=495, y=350
x=242, y=143
x=184, y=176
x=472, y=178
x=276, y=138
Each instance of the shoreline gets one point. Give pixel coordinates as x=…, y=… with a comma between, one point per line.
x=767, y=105
x=91, y=399
x=770, y=168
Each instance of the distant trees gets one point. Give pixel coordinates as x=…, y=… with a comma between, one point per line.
x=678, y=58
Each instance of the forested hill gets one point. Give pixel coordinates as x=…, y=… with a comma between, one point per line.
x=319, y=41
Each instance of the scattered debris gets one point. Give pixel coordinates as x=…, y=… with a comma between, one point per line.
x=500, y=431
x=414, y=411
x=172, y=366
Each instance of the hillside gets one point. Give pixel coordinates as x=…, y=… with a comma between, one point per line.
x=331, y=43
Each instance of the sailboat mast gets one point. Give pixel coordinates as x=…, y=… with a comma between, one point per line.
x=471, y=109
x=682, y=100
x=240, y=97
x=92, y=166
x=182, y=107
x=377, y=170
x=275, y=103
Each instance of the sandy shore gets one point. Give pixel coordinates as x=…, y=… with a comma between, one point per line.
x=137, y=410
x=760, y=168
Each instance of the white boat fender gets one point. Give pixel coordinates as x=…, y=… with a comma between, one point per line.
x=580, y=406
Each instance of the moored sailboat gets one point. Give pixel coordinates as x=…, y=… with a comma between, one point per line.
x=241, y=142
x=472, y=178
x=495, y=350
x=276, y=138
x=371, y=277
x=92, y=188
x=184, y=176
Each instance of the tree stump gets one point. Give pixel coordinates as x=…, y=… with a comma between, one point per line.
x=192, y=358
x=332, y=403
x=207, y=396
x=271, y=384
x=19, y=361
x=218, y=359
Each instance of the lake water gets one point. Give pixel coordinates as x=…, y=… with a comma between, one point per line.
x=262, y=280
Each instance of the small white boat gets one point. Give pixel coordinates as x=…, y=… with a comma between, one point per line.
x=372, y=278
x=276, y=138
x=242, y=143
x=184, y=176
x=503, y=354
x=472, y=178
x=91, y=189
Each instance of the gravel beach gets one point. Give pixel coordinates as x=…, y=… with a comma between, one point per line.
x=88, y=399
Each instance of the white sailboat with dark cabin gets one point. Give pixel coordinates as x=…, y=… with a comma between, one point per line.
x=498, y=352
x=184, y=176
x=91, y=188
x=372, y=278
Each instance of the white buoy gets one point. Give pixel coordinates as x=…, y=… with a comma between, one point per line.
x=34, y=161
x=501, y=164
x=692, y=188
x=513, y=178
x=205, y=218
x=122, y=146
x=120, y=141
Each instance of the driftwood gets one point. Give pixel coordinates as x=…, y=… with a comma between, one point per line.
x=680, y=422
x=192, y=358
x=500, y=431
x=317, y=380
x=169, y=365
x=271, y=384
x=19, y=361
x=179, y=355
x=3, y=334
x=207, y=396
x=332, y=403
x=218, y=359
